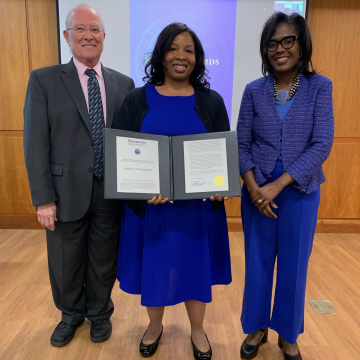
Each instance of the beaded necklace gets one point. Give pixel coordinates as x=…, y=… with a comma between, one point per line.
x=291, y=93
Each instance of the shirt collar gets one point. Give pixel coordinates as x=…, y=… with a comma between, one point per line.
x=80, y=67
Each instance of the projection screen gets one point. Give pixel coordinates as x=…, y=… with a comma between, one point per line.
x=228, y=29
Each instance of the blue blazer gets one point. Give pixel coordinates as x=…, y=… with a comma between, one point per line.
x=307, y=131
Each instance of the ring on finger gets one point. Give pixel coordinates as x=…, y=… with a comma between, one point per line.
x=259, y=201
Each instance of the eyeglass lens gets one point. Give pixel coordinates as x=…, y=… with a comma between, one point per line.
x=286, y=43
x=82, y=29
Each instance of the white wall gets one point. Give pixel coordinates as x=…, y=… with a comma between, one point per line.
x=116, y=15
x=250, y=18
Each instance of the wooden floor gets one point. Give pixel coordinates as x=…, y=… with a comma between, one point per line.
x=28, y=315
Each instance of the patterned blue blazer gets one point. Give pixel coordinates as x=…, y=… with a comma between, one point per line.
x=307, y=131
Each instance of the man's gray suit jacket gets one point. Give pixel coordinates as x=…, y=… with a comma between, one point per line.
x=59, y=153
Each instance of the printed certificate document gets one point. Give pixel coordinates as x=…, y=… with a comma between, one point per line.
x=205, y=164
x=138, y=166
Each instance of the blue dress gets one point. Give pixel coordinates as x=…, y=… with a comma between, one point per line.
x=176, y=252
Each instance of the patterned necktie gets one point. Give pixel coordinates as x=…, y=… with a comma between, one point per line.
x=96, y=120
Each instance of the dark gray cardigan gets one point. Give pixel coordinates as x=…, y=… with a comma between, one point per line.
x=209, y=106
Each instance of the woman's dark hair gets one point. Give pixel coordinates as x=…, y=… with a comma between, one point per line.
x=304, y=38
x=154, y=68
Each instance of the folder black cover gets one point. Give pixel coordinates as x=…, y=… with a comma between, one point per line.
x=171, y=165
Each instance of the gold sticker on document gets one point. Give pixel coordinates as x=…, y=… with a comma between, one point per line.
x=219, y=180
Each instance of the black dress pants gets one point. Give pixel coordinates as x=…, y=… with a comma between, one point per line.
x=83, y=258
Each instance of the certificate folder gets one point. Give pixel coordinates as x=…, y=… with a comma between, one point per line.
x=139, y=166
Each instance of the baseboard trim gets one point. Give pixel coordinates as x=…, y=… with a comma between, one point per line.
x=13, y=221
x=23, y=221
x=338, y=226
x=323, y=225
x=234, y=224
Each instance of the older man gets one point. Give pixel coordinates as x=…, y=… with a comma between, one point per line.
x=66, y=109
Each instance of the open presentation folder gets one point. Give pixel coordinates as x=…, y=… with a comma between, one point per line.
x=140, y=166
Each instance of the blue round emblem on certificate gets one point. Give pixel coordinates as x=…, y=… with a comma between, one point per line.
x=137, y=152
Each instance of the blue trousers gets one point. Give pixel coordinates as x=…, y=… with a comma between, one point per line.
x=289, y=238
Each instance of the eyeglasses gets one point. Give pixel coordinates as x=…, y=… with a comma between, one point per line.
x=287, y=43
x=82, y=29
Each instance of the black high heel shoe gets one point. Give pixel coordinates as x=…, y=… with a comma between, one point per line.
x=199, y=355
x=287, y=356
x=148, y=350
x=250, y=351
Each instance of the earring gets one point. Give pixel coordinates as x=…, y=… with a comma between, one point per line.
x=300, y=54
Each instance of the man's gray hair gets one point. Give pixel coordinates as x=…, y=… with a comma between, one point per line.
x=70, y=14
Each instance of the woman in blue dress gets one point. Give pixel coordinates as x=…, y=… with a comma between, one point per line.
x=285, y=133
x=173, y=252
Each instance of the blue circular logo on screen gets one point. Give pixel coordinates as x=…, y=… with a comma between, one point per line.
x=137, y=152
x=216, y=53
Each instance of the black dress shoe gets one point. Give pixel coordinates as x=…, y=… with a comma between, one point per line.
x=199, y=354
x=63, y=334
x=148, y=350
x=250, y=351
x=100, y=330
x=287, y=356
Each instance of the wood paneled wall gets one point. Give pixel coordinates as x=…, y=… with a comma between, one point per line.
x=335, y=29
x=29, y=41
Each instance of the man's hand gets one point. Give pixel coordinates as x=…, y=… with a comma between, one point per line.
x=47, y=215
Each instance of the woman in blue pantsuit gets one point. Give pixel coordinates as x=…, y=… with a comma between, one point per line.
x=285, y=133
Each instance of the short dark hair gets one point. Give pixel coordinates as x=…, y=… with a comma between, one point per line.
x=304, y=38
x=154, y=68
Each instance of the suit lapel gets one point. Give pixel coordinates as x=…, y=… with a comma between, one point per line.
x=110, y=88
x=71, y=80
